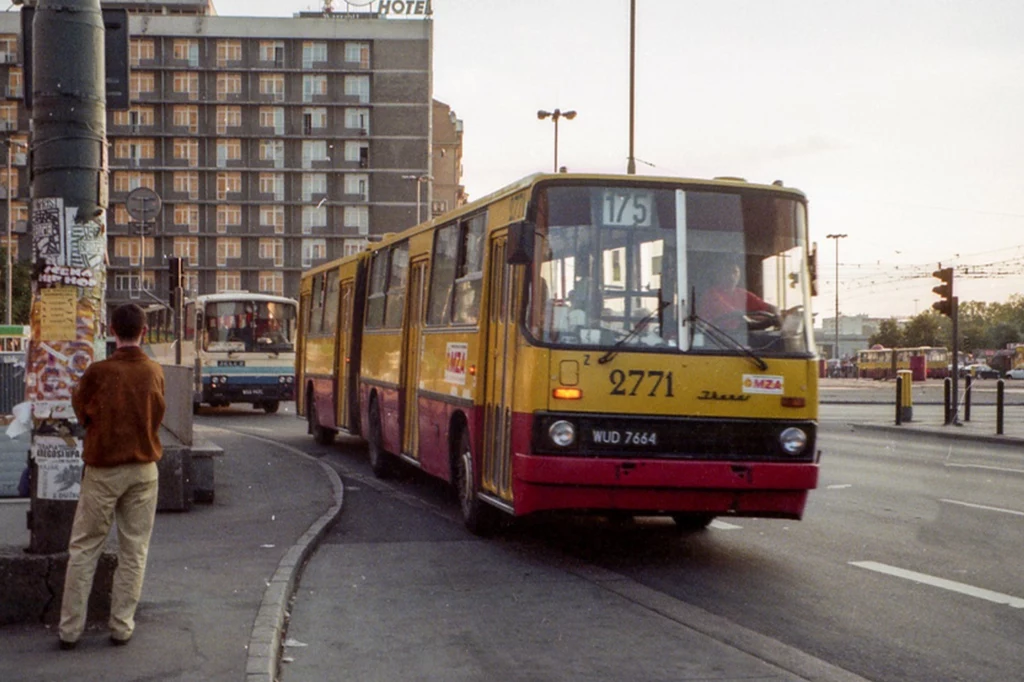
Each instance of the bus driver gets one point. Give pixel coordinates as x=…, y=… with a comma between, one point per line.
x=725, y=303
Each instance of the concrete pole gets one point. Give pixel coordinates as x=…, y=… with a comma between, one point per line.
x=69, y=201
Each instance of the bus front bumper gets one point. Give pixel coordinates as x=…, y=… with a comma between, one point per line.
x=237, y=392
x=662, y=486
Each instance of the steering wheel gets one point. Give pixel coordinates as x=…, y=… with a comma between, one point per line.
x=756, y=320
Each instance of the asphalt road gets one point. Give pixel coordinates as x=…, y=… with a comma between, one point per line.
x=906, y=567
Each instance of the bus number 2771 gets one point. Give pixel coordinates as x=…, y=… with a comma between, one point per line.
x=654, y=382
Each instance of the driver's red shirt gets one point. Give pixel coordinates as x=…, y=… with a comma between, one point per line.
x=717, y=303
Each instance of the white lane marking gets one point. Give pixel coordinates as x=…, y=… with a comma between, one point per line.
x=983, y=466
x=985, y=507
x=839, y=486
x=952, y=585
x=722, y=525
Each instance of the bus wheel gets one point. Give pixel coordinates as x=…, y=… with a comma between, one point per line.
x=270, y=407
x=380, y=461
x=321, y=435
x=480, y=518
x=689, y=523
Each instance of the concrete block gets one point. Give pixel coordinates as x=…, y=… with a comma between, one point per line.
x=204, y=454
x=33, y=585
x=176, y=470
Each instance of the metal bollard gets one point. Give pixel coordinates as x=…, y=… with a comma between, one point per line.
x=899, y=405
x=948, y=394
x=905, y=394
x=968, y=382
x=1000, y=385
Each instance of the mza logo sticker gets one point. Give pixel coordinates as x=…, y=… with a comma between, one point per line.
x=761, y=383
x=456, y=358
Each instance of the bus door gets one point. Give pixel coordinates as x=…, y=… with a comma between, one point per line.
x=496, y=469
x=300, y=349
x=412, y=352
x=343, y=360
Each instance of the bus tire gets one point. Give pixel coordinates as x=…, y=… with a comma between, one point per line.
x=692, y=522
x=381, y=463
x=271, y=406
x=321, y=435
x=480, y=518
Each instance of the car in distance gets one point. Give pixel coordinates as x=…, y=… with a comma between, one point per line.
x=980, y=371
x=1016, y=373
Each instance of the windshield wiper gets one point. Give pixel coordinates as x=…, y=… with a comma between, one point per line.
x=640, y=325
x=723, y=338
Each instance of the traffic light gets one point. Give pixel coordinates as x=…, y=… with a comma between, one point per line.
x=945, y=290
x=175, y=267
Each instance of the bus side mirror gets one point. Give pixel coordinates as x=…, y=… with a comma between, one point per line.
x=812, y=264
x=520, y=243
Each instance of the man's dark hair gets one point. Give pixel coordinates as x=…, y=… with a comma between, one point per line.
x=127, y=321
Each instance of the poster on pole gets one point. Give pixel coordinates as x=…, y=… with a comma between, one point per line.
x=59, y=467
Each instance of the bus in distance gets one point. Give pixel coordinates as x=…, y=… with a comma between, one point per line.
x=582, y=343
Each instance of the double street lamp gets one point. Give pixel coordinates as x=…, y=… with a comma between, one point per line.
x=837, y=237
x=420, y=179
x=554, y=116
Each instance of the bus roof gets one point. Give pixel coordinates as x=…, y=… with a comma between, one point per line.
x=242, y=296
x=574, y=178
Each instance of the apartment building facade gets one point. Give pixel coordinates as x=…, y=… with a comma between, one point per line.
x=274, y=143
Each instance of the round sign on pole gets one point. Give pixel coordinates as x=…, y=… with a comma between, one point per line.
x=143, y=204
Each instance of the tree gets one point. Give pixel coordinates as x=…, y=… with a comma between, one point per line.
x=21, y=290
x=888, y=335
x=926, y=329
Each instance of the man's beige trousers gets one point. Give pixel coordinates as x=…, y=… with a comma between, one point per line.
x=127, y=493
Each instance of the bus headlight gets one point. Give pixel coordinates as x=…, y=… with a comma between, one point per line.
x=793, y=440
x=562, y=433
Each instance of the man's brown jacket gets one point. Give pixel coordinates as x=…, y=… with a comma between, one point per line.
x=120, y=401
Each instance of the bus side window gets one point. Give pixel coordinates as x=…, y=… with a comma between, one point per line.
x=469, y=274
x=378, y=290
x=396, y=285
x=442, y=274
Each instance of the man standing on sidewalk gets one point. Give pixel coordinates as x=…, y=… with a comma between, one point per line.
x=120, y=401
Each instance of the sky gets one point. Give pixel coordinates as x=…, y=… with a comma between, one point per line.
x=903, y=122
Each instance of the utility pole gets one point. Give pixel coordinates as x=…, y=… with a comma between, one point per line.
x=69, y=201
x=631, y=162
x=837, y=237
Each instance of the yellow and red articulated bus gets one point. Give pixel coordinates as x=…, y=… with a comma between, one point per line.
x=581, y=343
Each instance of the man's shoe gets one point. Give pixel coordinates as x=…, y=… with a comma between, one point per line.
x=119, y=642
x=67, y=646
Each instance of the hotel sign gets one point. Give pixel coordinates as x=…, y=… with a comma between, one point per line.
x=404, y=8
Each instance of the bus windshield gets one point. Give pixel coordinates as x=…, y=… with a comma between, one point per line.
x=705, y=269
x=250, y=326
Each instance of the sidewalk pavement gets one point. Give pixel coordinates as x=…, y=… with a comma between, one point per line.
x=220, y=578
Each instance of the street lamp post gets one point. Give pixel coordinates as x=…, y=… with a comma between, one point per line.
x=10, y=182
x=631, y=163
x=837, y=237
x=420, y=179
x=555, y=115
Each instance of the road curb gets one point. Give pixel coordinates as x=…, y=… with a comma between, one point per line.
x=947, y=433
x=264, y=650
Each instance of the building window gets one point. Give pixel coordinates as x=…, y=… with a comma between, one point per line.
x=313, y=184
x=313, y=53
x=228, y=216
x=186, y=150
x=229, y=52
x=187, y=248
x=272, y=84
x=134, y=149
x=357, y=184
x=136, y=117
x=272, y=283
x=313, y=250
x=228, y=117
x=186, y=116
x=357, y=152
x=140, y=50
x=186, y=83
x=272, y=51
x=313, y=150
x=358, y=86
x=128, y=247
x=141, y=83
x=354, y=246
x=272, y=249
x=314, y=120
x=358, y=119
x=272, y=216
x=272, y=150
x=313, y=217
x=15, y=79
x=228, y=183
x=228, y=150
x=313, y=86
x=228, y=85
x=187, y=183
x=272, y=117
x=272, y=183
x=9, y=116
x=359, y=218
x=186, y=50
x=130, y=282
x=358, y=53
x=228, y=247
x=121, y=216
x=230, y=280
x=187, y=215
x=126, y=181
